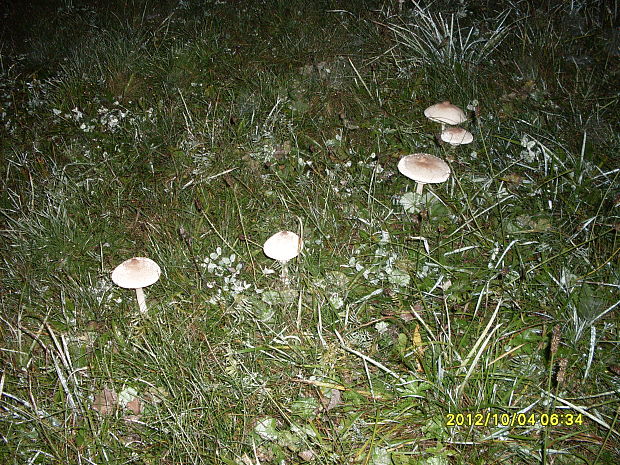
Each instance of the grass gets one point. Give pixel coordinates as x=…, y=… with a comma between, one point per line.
x=474, y=325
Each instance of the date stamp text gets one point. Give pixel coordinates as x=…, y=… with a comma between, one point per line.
x=515, y=419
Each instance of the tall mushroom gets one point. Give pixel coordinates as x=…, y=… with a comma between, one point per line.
x=445, y=113
x=283, y=246
x=137, y=273
x=424, y=169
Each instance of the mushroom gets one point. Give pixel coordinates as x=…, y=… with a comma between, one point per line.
x=457, y=136
x=445, y=113
x=424, y=169
x=136, y=273
x=282, y=247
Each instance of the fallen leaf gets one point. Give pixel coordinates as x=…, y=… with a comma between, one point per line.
x=418, y=347
x=334, y=401
x=135, y=406
x=417, y=341
x=512, y=178
x=283, y=150
x=105, y=402
x=306, y=455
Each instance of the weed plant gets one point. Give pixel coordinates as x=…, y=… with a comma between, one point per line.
x=476, y=326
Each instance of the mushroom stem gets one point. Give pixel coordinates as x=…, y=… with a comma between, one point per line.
x=284, y=271
x=141, y=300
x=419, y=188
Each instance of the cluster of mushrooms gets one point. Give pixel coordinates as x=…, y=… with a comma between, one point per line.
x=423, y=168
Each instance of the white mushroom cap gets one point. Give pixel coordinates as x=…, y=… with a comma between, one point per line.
x=445, y=113
x=136, y=273
x=424, y=168
x=283, y=246
x=457, y=136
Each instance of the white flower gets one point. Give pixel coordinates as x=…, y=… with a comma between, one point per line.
x=527, y=143
x=423, y=273
x=381, y=252
x=411, y=202
x=382, y=327
x=385, y=237
x=398, y=277
x=127, y=395
x=216, y=254
x=336, y=301
x=528, y=156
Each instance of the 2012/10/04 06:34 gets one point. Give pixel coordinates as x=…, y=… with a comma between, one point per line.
x=513, y=419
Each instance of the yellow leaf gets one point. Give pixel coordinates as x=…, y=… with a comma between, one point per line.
x=418, y=346
x=417, y=340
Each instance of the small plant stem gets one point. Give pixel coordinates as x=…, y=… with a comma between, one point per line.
x=141, y=300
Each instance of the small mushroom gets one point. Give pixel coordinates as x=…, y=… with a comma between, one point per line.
x=283, y=246
x=424, y=169
x=137, y=273
x=457, y=136
x=445, y=113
